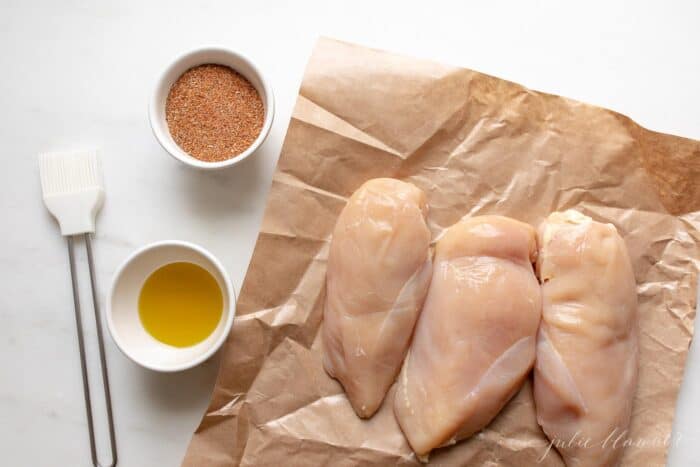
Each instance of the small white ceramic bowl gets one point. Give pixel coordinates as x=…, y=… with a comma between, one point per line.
x=202, y=56
x=123, y=316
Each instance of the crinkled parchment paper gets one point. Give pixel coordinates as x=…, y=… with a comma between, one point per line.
x=477, y=145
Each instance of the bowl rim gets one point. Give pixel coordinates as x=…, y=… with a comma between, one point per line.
x=178, y=153
x=227, y=285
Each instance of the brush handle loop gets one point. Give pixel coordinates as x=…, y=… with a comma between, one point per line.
x=81, y=347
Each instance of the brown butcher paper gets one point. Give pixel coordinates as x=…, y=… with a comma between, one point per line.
x=476, y=145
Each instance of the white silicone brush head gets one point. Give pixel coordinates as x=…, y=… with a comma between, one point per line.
x=73, y=189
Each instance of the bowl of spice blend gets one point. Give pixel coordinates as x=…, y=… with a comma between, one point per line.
x=211, y=108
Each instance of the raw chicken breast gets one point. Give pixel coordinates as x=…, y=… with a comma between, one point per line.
x=379, y=270
x=474, y=343
x=586, y=370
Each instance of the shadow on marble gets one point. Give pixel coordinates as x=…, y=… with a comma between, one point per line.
x=210, y=195
x=183, y=390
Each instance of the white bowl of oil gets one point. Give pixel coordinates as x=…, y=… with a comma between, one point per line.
x=171, y=306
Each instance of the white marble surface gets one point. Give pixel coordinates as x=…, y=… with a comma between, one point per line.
x=78, y=73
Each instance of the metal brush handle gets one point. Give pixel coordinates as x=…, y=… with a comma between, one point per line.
x=81, y=346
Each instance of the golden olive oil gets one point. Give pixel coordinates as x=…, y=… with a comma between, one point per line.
x=180, y=304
